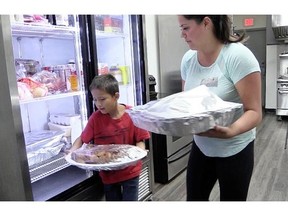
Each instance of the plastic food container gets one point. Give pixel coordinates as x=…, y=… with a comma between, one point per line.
x=63, y=118
x=29, y=66
x=57, y=127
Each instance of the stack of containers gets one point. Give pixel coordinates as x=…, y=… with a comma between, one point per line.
x=63, y=122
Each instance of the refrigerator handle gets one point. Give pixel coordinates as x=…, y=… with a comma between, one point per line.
x=89, y=55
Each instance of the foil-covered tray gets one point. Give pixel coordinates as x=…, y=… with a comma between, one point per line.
x=105, y=157
x=42, y=145
x=184, y=113
x=36, y=140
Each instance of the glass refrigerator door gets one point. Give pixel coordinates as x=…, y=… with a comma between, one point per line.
x=116, y=54
x=119, y=45
x=48, y=66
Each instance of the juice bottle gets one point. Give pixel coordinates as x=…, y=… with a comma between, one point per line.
x=73, y=81
x=124, y=70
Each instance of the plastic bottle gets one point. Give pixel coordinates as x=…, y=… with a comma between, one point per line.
x=124, y=70
x=73, y=81
x=72, y=77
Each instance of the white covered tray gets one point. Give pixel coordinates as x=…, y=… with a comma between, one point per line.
x=128, y=155
x=184, y=113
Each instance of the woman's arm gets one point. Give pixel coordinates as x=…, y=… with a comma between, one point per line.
x=249, y=90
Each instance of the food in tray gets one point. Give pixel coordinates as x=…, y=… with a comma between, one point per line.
x=105, y=157
x=98, y=156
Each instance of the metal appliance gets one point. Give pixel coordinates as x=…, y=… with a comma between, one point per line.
x=280, y=27
x=171, y=156
x=282, y=97
x=282, y=84
x=88, y=44
x=170, y=153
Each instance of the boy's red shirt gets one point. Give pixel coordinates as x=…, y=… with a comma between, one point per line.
x=102, y=129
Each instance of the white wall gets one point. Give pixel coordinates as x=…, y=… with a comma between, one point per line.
x=152, y=47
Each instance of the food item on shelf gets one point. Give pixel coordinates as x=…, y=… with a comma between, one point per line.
x=73, y=81
x=24, y=91
x=26, y=66
x=53, y=82
x=125, y=73
x=64, y=118
x=103, y=68
x=117, y=73
x=39, y=91
x=113, y=23
x=36, y=88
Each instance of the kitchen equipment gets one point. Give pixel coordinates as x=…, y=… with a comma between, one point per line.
x=51, y=45
x=280, y=27
x=282, y=97
x=171, y=154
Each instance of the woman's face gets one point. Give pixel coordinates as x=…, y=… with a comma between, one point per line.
x=191, y=31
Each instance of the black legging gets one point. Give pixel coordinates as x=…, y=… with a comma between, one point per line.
x=233, y=173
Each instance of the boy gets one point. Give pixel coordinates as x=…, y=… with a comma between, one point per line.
x=110, y=124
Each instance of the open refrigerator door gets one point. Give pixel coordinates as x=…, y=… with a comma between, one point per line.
x=48, y=63
x=49, y=73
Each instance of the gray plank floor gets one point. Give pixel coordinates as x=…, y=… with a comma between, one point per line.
x=270, y=176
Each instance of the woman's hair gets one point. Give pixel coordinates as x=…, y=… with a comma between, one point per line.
x=222, y=27
x=105, y=82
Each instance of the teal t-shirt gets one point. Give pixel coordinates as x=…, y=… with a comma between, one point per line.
x=234, y=62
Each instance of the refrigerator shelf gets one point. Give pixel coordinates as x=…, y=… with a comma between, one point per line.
x=103, y=35
x=48, y=167
x=52, y=97
x=43, y=31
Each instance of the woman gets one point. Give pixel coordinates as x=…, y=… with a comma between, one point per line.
x=218, y=59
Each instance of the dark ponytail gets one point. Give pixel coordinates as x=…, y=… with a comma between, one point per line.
x=222, y=27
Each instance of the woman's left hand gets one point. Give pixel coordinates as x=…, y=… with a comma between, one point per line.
x=218, y=132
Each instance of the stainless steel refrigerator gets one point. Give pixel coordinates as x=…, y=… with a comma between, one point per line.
x=171, y=153
x=47, y=63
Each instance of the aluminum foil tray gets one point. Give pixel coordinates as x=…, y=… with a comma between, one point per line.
x=184, y=113
x=45, y=153
x=94, y=157
x=36, y=140
x=42, y=145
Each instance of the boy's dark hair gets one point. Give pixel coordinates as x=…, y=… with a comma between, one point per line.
x=105, y=82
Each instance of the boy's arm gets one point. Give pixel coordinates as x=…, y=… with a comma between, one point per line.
x=77, y=144
x=141, y=145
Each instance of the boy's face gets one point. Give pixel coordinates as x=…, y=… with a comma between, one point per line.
x=105, y=102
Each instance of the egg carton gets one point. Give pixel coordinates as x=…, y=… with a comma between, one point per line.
x=63, y=119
